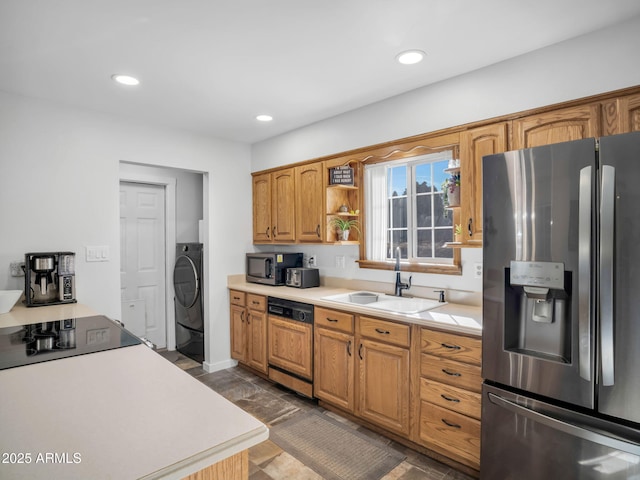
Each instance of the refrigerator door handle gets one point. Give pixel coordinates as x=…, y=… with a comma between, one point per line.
x=607, y=212
x=566, y=427
x=584, y=274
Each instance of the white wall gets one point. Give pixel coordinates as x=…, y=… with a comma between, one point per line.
x=59, y=183
x=588, y=65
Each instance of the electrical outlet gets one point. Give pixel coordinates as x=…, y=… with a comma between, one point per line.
x=312, y=261
x=17, y=269
x=477, y=270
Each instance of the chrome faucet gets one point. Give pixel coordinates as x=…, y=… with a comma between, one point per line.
x=399, y=284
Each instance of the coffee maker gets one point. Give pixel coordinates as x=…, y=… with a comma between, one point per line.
x=49, y=278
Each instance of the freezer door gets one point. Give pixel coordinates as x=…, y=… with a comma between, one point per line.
x=619, y=277
x=538, y=253
x=526, y=439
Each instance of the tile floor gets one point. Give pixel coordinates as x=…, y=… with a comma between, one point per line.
x=271, y=404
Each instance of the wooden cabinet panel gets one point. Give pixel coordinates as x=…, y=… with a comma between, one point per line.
x=290, y=346
x=283, y=205
x=262, y=208
x=324, y=317
x=383, y=385
x=237, y=298
x=629, y=113
x=257, y=340
x=309, y=203
x=474, y=144
x=453, y=398
x=563, y=125
x=256, y=302
x=382, y=330
x=238, y=333
x=457, y=435
x=334, y=368
x=451, y=372
x=451, y=345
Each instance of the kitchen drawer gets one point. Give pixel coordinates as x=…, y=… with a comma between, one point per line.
x=385, y=331
x=454, y=373
x=453, y=398
x=450, y=345
x=237, y=298
x=451, y=433
x=256, y=302
x=324, y=317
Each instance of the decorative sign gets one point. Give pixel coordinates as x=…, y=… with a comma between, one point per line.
x=341, y=176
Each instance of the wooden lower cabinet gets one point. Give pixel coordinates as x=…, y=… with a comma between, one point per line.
x=450, y=395
x=334, y=368
x=383, y=385
x=249, y=330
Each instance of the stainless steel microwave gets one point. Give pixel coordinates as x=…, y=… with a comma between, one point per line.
x=271, y=268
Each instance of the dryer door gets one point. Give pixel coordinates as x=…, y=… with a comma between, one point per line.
x=186, y=282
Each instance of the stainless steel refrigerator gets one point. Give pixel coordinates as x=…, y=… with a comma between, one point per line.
x=561, y=311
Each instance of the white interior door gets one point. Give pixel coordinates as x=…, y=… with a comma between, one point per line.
x=142, y=260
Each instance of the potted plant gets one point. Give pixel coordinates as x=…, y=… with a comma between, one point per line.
x=451, y=190
x=344, y=225
x=457, y=232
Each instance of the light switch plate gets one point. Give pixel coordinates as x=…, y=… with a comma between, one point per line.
x=97, y=254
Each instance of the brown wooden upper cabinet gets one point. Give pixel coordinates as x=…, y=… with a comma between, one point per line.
x=309, y=203
x=628, y=114
x=274, y=206
x=573, y=123
x=474, y=144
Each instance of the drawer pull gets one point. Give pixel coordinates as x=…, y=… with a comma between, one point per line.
x=449, y=399
x=255, y=302
x=449, y=424
x=236, y=298
x=332, y=320
x=453, y=374
x=382, y=332
x=451, y=347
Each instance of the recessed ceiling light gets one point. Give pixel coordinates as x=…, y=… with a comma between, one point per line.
x=410, y=57
x=125, y=80
x=264, y=118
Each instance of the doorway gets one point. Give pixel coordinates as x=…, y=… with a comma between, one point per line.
x=142, y=260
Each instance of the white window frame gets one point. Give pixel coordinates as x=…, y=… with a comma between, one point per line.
x=376, y=224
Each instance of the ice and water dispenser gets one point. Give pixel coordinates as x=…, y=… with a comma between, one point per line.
x=537, y=317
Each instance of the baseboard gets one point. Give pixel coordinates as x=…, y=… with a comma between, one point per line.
x=214, y=367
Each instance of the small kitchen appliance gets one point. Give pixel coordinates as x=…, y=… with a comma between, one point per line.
x=270, y=268
x=49, y=278
x=302, y=277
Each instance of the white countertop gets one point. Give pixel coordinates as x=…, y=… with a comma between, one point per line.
x=22, y=315
x=120, y=414
x=453, y=317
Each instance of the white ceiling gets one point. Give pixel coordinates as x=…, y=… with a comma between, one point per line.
x=211, y=66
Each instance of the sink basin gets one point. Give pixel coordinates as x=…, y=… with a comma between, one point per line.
x=387, y=303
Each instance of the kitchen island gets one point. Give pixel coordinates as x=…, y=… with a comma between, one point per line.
x=119, y=414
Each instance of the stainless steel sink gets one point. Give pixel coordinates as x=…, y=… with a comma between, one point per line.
x=384, y=302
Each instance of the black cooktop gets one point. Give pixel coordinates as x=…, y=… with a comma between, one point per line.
x=41, y=342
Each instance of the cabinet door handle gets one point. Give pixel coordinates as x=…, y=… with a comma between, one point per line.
x=382, y=332
x=318, y=230
x=349, y=348
x=360, y=352
x=450, y=347
x=332, y=320
x=469, y=225
x=242, y=316
x=449, y=424
x=453, y=374
x=449, y=399
x=248, y=317
x=267, y=232
x=275, y=231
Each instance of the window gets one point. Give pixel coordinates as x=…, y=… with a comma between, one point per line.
x=405, y=210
